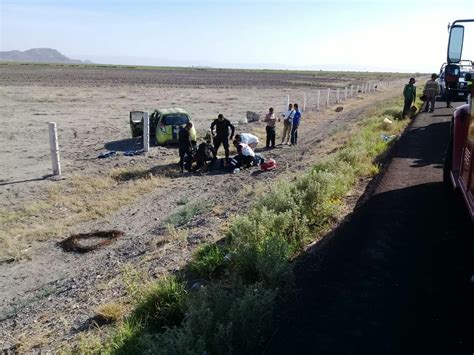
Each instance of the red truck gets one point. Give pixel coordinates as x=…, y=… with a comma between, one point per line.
x=459, y=163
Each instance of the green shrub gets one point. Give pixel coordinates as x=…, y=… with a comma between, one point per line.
x=232, y=320
x=263, y=240
x=186, y=213
x=163, y=303
x=207, y=260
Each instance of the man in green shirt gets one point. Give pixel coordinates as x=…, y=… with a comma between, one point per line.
x=409, y=94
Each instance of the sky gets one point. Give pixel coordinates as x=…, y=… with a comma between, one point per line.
x=399, y=36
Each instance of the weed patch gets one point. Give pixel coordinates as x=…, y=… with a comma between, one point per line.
x=186, y=213
x=67, y=203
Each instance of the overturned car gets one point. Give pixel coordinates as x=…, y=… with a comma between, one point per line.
x=164, y=124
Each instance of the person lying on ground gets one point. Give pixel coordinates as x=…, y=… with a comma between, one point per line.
x=247, y=138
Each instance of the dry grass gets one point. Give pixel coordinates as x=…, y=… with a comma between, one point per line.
x=110, y=312
x=177, y=234
x=69, y=202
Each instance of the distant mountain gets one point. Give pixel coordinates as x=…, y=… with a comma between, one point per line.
x=38, y=55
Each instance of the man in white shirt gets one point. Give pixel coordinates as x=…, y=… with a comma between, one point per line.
x=248, y=139
x=287, y=122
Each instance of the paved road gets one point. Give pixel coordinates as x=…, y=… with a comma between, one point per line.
x=393, y=279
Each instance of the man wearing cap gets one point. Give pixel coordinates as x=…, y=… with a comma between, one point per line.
x=409, y=94
x=221, y=134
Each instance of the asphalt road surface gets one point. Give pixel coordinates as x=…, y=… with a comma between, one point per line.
x=395, y=277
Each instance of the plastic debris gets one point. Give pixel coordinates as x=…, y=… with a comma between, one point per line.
x=131, y=153
x=107, y=154
x=236, y=170
x=386, y=138
x=386, y=120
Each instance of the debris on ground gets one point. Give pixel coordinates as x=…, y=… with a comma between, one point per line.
x=86, y=242
x=107, y=154
x=386, y=138
x=252, y=116
x=131, y=153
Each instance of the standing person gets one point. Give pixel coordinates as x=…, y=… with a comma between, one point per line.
x=185, y=147
x=295, y=124
x=221, y=135
x=287, y=121
x=409, y=94
x=430, y=91
x=271, y=119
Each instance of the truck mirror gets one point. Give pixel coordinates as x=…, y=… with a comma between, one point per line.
x=456, y=39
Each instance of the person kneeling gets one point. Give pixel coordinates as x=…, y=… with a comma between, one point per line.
x=245, y=157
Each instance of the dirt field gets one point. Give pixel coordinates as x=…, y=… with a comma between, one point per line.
x=48, y=296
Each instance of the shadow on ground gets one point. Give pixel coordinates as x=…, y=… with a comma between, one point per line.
x=421, y=153
x=393, y=279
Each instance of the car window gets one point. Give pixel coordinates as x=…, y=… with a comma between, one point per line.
x=175, y=119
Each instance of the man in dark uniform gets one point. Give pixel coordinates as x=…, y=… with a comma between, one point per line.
x=185, y=147
x=205, y=155
x=221, y=135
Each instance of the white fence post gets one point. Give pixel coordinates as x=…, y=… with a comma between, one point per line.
x=357, y=90
x=146, y=132
x=304, y=102
x=337, y=96
x=319, y=98
x=352, y=90
x=327, y=100
x=287, y=102
x=54, y=148
x=345, y=93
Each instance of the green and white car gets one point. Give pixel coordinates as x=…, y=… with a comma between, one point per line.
x=164, y=124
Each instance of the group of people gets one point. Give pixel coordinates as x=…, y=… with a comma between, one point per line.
x=430, y=91
x=193, y=157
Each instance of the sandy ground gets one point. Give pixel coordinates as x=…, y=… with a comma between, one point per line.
x=50, y=299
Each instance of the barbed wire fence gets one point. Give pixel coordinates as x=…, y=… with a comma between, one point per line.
x=322, y=98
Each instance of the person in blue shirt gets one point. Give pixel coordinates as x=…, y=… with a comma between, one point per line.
x=295, y=125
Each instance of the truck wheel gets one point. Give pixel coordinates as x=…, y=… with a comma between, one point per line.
x=448, y=164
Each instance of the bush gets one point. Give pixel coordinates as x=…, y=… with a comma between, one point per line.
x=207, y=261
x=231, y=320
x=163, y=303
x=263, y=240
